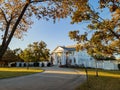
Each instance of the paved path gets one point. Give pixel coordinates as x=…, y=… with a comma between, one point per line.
x=53, y=78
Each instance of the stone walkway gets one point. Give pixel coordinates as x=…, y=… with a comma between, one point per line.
x=53, y=78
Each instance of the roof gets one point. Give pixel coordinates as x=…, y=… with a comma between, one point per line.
x=67, y=48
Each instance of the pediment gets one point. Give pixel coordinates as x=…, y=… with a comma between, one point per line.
x=59, y=49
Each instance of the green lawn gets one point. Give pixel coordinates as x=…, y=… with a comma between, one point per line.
x=14, y=72
x=107, y=80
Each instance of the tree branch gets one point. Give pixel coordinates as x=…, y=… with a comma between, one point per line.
x=4, y=15
x=6, y=31
x=38, y=1
x=115, y=34
x=16, y=24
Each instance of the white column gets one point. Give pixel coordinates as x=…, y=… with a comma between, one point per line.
x=63, y=58
x=77, y=58
x=55, y=59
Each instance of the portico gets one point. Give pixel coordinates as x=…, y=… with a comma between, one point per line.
x=63, y=56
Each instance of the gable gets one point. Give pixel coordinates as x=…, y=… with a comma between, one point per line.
x=63, y=49
x=59, y=49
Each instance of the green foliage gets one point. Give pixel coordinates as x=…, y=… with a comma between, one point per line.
x=101, y=57
x=35, y=52
x=10, y=56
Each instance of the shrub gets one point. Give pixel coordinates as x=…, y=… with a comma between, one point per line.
x=13, y=65
x=25, y=65
x=48, y=64
x=63, y=66
x=42, y=65
x=36, y=64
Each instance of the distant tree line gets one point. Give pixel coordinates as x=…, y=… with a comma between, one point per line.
x=33, y=53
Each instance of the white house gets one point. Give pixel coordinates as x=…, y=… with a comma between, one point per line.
x=67, y=55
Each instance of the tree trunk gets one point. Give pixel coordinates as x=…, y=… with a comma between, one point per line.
x=27, y=64
x=86, y=71
x=0, y=58
x=2, y=52
x=96, y=69
x=4, y=46
x=1, y=55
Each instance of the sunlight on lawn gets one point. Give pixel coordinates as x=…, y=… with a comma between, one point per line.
x=61, y=72
x=107, y=80
x=21, y=69
x=15, y=72
x=102, y=73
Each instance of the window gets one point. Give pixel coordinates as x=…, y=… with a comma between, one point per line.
x=74, y=60
x=90, y=58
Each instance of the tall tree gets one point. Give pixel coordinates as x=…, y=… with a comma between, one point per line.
x=10, y=56
x=36, y=52
x=17, y=51
x=26, y=55
x=105, y=38
x=16, y=16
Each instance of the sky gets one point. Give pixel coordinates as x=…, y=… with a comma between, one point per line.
x=53, y=34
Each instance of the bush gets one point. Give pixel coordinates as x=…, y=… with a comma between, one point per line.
x=42, y=65
x=119, y=66
x=63, y=66
x=36, y=64
x=48, y=64
x=74, y=66
x=25, y=65
x=13, y=65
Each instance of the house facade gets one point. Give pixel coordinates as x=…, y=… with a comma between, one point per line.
x=67, y=55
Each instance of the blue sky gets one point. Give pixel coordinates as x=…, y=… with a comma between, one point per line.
x=53, y=34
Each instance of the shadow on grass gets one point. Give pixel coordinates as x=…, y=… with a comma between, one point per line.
x=107, y=80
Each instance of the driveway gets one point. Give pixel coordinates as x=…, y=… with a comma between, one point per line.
x=53, y=78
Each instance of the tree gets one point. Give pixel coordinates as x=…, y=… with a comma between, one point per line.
x=16, y=16
x=101, y=57
x=17, y=51
x=10, y=56
x=36, y=52
x=26, y=55
x=105, y=38
x=40, y=51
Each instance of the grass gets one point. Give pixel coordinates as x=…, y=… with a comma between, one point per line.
x=15, y=72
x=107, y=80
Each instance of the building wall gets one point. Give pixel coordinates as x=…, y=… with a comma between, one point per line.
x=82, y=58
